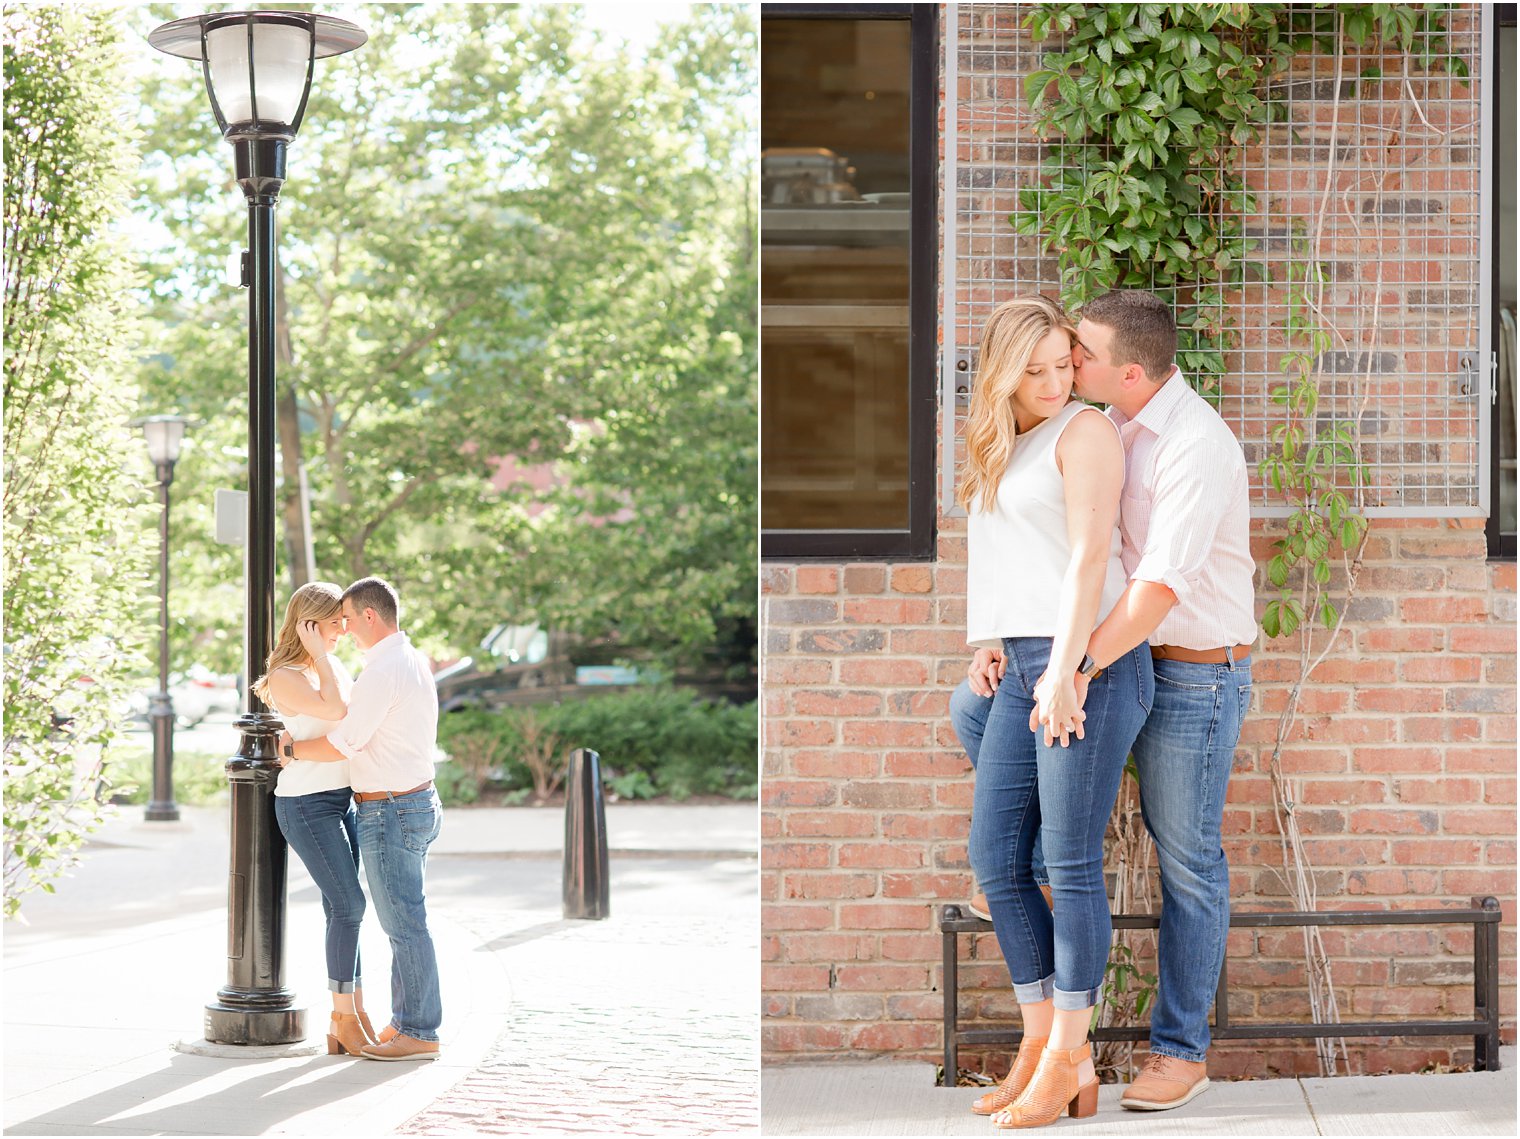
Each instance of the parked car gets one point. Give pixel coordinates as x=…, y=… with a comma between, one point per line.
x=525, y=664
x=195, y=694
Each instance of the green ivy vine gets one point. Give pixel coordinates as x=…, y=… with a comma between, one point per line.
x=1147, y=110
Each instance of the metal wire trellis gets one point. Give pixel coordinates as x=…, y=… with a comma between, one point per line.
x=1376, y=178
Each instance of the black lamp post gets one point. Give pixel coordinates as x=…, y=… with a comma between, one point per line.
x=258, y=68
x=164, y=433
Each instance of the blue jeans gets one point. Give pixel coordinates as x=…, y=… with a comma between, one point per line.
x=394, y=836
x=320, y=828
x=1184, y=755
x=968, y=716
x=1024, y=787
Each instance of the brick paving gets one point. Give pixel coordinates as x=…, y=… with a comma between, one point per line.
x=642, y=1024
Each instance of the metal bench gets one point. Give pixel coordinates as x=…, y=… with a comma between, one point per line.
x=1483, y=1027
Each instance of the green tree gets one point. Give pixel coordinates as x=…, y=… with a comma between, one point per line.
x=75, y=584
x=504, y=243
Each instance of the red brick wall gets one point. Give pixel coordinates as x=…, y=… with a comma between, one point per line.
x=1405, y=752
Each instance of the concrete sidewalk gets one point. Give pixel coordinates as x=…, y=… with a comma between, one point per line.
x=897, y=1098
x=641, y=1024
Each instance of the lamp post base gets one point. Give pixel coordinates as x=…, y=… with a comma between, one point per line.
x=161, y=813
x=231, y=1024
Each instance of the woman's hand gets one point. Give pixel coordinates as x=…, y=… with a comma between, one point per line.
x=1058, y=708
x=312, y=639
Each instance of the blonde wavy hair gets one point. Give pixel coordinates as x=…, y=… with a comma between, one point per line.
x=1009, y=339
x=314, y=601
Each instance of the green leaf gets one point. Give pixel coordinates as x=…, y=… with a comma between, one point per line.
x=1271, y=618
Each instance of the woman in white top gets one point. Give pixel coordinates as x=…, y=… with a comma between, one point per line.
x=1041, y=489
x=308, y=688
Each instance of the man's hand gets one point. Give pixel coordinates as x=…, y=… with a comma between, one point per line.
x=986, y=671
x=1058, y=708
x=284, y=740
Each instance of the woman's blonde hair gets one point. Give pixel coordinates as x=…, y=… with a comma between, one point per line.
x=314, y=601
x=1009, y=339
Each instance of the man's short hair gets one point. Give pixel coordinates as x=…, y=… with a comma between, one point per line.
x=378, y=594
x=1145, y=332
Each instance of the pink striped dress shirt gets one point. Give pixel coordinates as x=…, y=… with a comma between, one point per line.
x=1184, y=518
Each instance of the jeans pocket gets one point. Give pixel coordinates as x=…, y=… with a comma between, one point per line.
x=419, y=827
x=1146, y=678
x=1184, y=685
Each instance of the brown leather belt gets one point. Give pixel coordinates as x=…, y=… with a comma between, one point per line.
x=1200, y=656
x=368, y=796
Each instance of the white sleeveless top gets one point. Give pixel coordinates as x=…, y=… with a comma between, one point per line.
x=306, y=776
x=1018, y=551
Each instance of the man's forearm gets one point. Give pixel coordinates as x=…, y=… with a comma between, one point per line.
x=318, y=750
x=1139, y=610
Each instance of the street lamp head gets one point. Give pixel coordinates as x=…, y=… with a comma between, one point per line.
x=258, y=65
x=258, y=68
x=164, y=433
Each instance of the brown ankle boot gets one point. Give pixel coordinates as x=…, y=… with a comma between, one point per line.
x=346, y=1035
x=1054, y=1088
x=1015, y=1081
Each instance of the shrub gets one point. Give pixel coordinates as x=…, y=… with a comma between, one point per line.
x=200, y=777
x=74, y=583
x=658, y=741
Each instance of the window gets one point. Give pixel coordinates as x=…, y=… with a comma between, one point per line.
x=1501, y=516
x=848, y=258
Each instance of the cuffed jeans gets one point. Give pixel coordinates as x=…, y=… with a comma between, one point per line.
x=394, y=836
x=968, y=716
x=1184, y=755
x=321, y=829
x=1066, y=795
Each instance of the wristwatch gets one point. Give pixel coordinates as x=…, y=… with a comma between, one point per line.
x=1089, y=668
x=290, y=750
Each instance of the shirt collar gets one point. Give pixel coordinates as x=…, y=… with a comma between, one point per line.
x=1164, y=404
x=384, y=645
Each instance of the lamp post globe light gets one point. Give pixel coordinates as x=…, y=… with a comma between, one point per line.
x=163, y=433
x=258, y=67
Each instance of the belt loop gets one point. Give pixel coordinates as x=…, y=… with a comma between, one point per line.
x=1229, y=656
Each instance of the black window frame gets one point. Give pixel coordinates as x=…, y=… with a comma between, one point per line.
x=915, y=542
x=1501, y=546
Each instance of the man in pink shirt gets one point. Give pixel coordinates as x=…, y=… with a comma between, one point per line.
x=387, y=736
x=1184, y=519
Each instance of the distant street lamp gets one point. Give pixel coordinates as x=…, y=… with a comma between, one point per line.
x=258, y=68
x=164, y=433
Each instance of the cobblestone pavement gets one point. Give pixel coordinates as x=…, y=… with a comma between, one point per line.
x=642, y=1024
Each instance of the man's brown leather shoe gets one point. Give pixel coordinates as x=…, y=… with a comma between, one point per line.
x=1165, y=1082
x=402, y=1047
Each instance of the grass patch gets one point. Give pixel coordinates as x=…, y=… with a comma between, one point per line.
x=200, y=777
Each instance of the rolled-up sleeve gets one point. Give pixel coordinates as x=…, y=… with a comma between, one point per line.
x=1193, y=485
x=368, y=703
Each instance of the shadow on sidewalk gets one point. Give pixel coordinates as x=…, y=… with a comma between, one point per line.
x=245, y=1097
x=530, y=933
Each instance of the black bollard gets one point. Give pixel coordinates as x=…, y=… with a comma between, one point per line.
x=585, y=885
